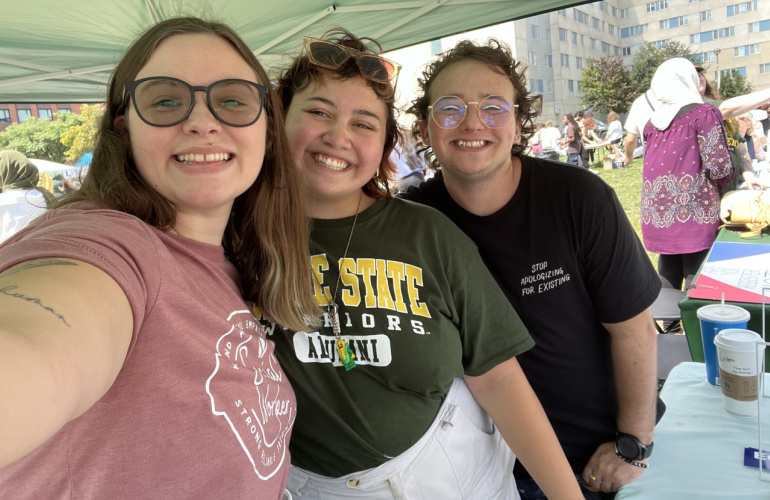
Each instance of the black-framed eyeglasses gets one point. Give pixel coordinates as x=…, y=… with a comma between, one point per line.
x=163, y=101
x=332, y=56
x=495, y=111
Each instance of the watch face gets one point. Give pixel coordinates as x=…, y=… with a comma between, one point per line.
x=628, y=447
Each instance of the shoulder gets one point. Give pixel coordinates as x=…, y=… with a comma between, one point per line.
x=432, y=192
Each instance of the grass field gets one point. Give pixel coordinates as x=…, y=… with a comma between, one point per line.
x=627, y=183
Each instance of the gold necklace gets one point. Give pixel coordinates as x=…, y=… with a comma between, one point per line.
x=343, y=349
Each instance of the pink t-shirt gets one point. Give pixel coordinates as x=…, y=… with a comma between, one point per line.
x=200, y=409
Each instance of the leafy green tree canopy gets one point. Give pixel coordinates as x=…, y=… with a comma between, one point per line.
x=649, y=57
x=607, y=85
x=733, y=84
x=36, y=138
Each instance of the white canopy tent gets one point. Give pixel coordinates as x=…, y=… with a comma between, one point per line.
x=64, y=50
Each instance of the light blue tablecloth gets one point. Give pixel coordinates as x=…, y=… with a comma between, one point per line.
x=699, y=446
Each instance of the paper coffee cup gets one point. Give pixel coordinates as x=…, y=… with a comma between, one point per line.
x=713, y=319
x=737, y=351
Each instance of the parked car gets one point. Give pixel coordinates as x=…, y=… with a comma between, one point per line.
x=601, y=128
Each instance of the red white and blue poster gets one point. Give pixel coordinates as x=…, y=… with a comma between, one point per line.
x=739, y=270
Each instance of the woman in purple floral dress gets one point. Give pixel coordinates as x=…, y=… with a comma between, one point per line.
x=685, y=166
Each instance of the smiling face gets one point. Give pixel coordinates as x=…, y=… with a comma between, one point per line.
x=471, y=151
x=337, y=133
x=200, y=165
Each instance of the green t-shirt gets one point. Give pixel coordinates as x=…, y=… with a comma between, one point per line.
x=418, y=307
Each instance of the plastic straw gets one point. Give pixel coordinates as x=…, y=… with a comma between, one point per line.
x=723, y=302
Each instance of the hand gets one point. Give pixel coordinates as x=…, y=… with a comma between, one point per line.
x=609, y=471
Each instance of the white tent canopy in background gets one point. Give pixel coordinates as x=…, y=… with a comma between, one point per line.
x=64, y=50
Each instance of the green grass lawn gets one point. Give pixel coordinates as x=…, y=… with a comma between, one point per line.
x=627, y=183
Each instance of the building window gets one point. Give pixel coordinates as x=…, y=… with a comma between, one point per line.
x=616, y=50
x=610, y=29
x=705, y=15
x=764, y=69
x=562, y=35
x=565, y=60
x=746, y=50
x=574, y=38
x=656, y=6
x=578, y=62
x=623, y=13
x=702, y=57
x=536, y=85
x=593, y=43
x=602, y=5
x=695, y=1
x=549, y=60
x=535, y=31
x=639, y=29
x=756, y=27
x=614, y=11
x=563, y=12
x=44, y=113
x=579, y=16
x=5, y=115
x=595, y=22
x=741, y=71
x=626, y=51
x=605, y=48
x=64, y=109
x=549, y=85
x=580, y=85
x=23, y=114
x=741, y=8
x=571, y=85
x=673, y=22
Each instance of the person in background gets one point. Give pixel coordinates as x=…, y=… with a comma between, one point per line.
x=131, y=361
x=550, y=138
x=589, y=133
x=743, y=168
x=583, y=287
x=571, y=139
x=536, y=146
x=21, y=200
x=686, y=165
x=614, y=133
x=409, y=166
x=418, y=343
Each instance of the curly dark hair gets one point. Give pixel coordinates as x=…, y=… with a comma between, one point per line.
x=498, y=56
x=303, y=72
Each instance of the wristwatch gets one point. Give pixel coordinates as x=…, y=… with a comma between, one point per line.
x=629, y=448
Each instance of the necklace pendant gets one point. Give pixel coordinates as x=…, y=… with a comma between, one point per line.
x=344, y=352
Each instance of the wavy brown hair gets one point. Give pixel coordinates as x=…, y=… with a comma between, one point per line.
x=267, y=235
x=497, y=55
x=302, y=73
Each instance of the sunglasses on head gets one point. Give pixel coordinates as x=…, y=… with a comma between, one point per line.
x=332, y=56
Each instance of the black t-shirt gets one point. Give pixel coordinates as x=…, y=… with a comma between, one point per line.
x=568, y=259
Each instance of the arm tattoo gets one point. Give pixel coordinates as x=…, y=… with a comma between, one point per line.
x=9, y=291
x=37, y=263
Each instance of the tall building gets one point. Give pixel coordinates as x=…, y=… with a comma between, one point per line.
x=725, y=36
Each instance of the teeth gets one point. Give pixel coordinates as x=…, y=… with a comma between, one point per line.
x=331, y=163
x=471, y=144
x=199, y=158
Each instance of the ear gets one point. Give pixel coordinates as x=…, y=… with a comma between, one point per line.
x=119, y=123
x=424, y=133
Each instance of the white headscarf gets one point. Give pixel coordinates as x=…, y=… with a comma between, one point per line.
x=674, y=85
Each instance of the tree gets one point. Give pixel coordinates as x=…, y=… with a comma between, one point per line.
x=607, y=85
x=733, y=84
x=36, y=138
x=649, y=57
x=81, y=138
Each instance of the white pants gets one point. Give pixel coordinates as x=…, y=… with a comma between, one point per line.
x=461, y=456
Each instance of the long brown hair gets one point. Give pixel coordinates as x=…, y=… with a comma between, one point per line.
x=266, y=237
x=500, y=59
x=301, y=73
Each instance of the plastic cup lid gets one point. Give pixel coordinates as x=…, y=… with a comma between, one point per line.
x=738, y=339
x=723, y=313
